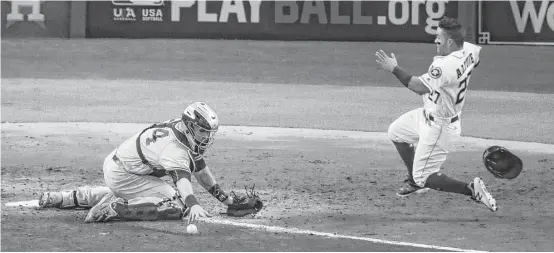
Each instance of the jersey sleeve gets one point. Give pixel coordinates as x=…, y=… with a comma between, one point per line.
x=475, y=50
x=437, y=76
x=477, y=53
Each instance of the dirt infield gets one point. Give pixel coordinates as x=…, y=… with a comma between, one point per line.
x=317, y=180
x=496, y=115
x=305, y=183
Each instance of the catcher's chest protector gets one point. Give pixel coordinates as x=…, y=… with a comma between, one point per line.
x=502, y=163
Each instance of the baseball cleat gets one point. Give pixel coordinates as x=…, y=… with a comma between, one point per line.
x=481, y=195
x=104, y=210
x=50, y=199
x=410, y=187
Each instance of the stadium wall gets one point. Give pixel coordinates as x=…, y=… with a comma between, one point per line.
x=43, y=19
x=486, y=22
x=273, y=20
x=515, y=22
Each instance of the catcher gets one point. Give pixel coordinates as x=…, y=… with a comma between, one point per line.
x=132, y=173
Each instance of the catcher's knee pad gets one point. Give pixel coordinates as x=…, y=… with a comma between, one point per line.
x=149, y=211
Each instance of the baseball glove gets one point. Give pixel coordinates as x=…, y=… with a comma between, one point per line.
x=244, y=205
x=502, y=163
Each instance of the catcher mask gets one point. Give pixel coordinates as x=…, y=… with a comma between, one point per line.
x=202, y=123
x=502, y=163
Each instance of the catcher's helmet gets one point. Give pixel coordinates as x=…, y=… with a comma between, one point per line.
x=502, y=163
x=202, y=123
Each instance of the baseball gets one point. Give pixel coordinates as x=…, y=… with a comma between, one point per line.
x=191, y=229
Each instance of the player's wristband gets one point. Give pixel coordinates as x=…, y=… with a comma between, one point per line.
x=191, y=200
x=218, y=193
x=402, y=75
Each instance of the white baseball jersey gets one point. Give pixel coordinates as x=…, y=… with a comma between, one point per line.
x=164, y=146
x=447, y=79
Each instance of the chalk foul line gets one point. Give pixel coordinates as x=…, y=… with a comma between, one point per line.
x=277, y=229
x=28, y=203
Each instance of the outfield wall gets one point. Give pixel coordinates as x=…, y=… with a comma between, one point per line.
x=516, y=22
x=486, y=22
x=25, y=19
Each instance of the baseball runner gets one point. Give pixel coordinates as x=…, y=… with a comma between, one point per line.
x=132, y=173
x=423, y=137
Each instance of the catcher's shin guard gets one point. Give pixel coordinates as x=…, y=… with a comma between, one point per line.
x=148, y=211
x=62, y=200
x=82, y=197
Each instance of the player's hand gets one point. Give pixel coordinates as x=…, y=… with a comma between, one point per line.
x=196, y=212
x=386, y=62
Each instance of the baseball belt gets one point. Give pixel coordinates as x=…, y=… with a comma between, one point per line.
x=430, y=117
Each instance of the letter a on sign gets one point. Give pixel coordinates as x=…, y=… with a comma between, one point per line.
x=16, y=16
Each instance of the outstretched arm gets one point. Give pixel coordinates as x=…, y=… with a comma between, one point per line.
x=181, y=179
x=391, y=64
x=411, y=82
x=239, y=207
x=208, y=182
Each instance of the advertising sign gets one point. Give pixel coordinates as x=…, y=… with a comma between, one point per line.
x=397, y=20
x=516, y=22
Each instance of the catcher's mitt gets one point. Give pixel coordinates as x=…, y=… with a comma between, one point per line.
x=245, y=204
x=502, y=163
